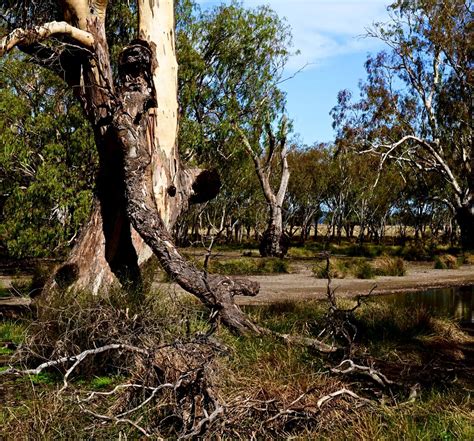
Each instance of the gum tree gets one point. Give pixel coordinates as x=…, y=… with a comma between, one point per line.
x=234, y=59
x=416, y=102
x=141, y=185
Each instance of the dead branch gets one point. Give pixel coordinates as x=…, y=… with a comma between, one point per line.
x=39, y=33
x=303, y=341
x=154, y=392
x=289, y=410
x=205, y=421
x=375, y=375
x=118, y=421
x=323, y=400
x=117, y=388
x=76, y=358
x=339, y=322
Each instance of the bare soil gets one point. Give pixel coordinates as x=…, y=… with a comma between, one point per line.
x=302, y=285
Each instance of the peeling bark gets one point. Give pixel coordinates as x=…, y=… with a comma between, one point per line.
x=132, y=125
x=141, y=182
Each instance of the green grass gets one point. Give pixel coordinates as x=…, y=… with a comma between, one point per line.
x=12, y=331
x=248, y=266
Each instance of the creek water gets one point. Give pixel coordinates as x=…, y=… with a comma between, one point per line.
x=455, y=302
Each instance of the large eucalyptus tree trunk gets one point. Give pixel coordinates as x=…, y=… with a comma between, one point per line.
x=274, y=242
x=109, y=249
x=141, y=187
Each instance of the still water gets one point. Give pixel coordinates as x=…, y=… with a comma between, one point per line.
x=456, y=302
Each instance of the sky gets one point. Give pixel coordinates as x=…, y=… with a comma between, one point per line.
x=329, y=35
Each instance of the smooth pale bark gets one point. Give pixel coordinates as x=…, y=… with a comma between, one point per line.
x=39, y=33
x=274, y=242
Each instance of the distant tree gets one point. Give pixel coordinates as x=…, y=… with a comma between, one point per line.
x=415, y=106
x=233, y=60
x=307, y=187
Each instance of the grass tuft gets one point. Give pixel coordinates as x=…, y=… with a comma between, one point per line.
x=389, y=266
x=446, y=261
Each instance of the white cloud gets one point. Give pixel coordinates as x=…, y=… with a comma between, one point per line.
x=323, y=29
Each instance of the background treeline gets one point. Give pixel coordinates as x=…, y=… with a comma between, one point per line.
x=400, y=167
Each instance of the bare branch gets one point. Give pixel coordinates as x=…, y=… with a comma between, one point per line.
x=375, y=375
x=329, y=397
x=76, y=358
x=39, y=33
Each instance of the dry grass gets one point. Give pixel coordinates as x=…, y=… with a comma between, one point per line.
x=446, y=261
x=389, y=266
x=268, y=389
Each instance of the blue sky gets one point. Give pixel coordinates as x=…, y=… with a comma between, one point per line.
x=328, y=35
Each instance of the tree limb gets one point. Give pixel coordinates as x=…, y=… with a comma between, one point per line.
x=37, y=34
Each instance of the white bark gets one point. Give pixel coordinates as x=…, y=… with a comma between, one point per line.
x=40, y=33
x=156, y=26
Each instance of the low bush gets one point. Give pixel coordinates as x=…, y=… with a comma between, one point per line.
x=389, y=266
x=338, y=269
x=446, y=261
x=364, y=270
x=415, y=252
x=360, y=268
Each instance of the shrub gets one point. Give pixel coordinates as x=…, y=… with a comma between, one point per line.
x=446, y=261
x=414, y=252
x=389, y=266
x=364, y=270
x=338, y=269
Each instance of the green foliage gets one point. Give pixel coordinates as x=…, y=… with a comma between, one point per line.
x=12, y=331
x=103, y=382
x=415, y=105
x=48, y=161
x=364, y=270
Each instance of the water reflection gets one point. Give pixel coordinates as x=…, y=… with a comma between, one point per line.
x=456, y=302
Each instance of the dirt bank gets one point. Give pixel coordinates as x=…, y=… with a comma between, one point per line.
x=303, y=286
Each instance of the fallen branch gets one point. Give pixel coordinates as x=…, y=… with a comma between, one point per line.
x=375, y=375
x=205, y=421
x=304, y=341
x=323, y=400
x=76, y=358
x=288, y=410
x=119, y=421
